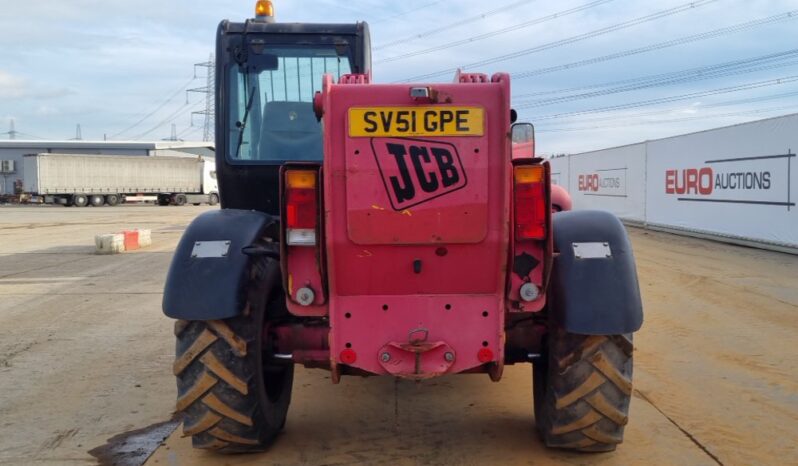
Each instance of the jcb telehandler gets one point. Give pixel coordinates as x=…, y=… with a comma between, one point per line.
x=375, y=229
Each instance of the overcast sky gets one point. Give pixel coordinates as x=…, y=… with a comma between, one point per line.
x=108, y=64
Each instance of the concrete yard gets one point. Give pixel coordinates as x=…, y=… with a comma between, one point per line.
x=86, y=355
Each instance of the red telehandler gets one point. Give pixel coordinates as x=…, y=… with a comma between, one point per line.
x=387, y=229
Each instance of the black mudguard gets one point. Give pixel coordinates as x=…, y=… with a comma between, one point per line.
x=210, y=288
x=594, y=296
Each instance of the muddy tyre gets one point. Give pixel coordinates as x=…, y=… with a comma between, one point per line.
x=588, y=386
x=232, y=395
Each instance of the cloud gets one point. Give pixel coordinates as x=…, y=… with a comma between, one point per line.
x=46, y=110
x=11, y=87
x=16, y=87
x=106, y=64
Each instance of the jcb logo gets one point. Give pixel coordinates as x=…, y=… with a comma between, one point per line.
x=416, y=170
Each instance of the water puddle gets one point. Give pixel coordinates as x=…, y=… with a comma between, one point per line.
x=134, y=447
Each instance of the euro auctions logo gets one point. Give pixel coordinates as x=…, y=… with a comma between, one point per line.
x=605, y=182
x=704, y=181
x=744, y=180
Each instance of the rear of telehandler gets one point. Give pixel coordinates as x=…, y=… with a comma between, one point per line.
x=378, y=229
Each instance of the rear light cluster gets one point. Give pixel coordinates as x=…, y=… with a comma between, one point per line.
x=530, y=202
x=301, y=207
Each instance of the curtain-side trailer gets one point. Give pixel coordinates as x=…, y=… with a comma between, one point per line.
x=81, y=180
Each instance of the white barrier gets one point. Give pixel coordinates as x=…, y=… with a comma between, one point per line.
x=610, y=179
x=737, y=182
x=559, y=171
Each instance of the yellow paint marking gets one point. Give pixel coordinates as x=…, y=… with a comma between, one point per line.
x=213, y=402
x=202, y=385
x=223, y=435
x=204, y=340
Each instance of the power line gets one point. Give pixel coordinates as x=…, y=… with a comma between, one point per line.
x=676, y=98
x=638, y=115
x=157, y=108
x=767, y=62
x=671, y=74
x=182, y=110
x=497, y=32
x=407, y=12
x=570, y=40
x=28, y=135
x=661, y=45
x=12, y=132
x=189, y=129
x=210, y=100
x=673, y=120
x=446, y=27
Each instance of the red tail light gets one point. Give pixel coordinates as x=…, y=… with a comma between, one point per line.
x=301, y=207
x=530, y=202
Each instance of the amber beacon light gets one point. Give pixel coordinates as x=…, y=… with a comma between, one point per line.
x=264, y=9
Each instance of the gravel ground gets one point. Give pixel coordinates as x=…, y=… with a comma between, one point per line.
x=85, y=356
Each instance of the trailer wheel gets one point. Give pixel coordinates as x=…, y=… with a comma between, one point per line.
x=80, y=200
x=180, y=199
x=213, y=199
x=588, y=386
x=96, y=200
x=232, y=394
x=163, y=200
x=112, y=199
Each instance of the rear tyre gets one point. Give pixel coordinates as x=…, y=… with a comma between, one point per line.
x=180, y=199
x=213, y=199
x=96, y=200
x=112, y=199
x=233, y=396
x=80, y=200
x=540, y=369
x=588, y=386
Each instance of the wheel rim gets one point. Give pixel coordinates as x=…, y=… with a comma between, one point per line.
x=276, y=377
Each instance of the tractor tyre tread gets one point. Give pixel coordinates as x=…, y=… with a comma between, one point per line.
x=586, y=403
x=220, y=396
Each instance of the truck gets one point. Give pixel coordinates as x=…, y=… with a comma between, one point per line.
x=387, y=230
x=94, y=180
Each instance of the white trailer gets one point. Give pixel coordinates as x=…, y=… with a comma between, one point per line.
x=81, y=180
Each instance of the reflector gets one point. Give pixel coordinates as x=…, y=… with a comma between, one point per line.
x=300, y=179
x=529, y=174
x=348, y=356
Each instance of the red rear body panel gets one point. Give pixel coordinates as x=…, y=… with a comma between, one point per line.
x=417, y=232
x=415, y=266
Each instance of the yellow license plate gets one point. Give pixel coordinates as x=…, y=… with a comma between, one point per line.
x=416, y=121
